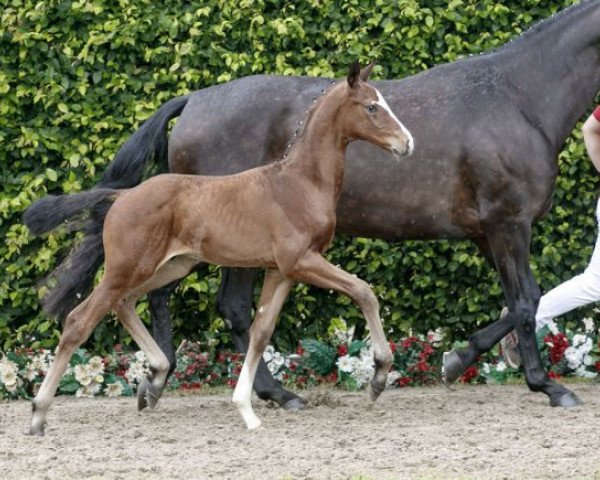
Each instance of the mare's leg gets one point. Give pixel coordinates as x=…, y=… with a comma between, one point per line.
x=162, y=330
x=480, y=342
x=275, y=290
x=315, y=270
x=509, y=245
x=78, y=326
x=234, y=303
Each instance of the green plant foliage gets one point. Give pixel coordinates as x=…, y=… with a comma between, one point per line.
x=78, y=77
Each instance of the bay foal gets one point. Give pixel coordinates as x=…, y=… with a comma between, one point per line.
x=280, y=216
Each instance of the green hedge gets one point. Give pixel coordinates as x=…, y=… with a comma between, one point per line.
x=78, y=77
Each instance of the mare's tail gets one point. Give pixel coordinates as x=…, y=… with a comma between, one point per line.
x=75, y=275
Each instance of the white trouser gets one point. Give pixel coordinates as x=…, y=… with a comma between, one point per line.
x=580, y=290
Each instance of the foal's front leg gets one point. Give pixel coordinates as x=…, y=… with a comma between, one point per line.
x=314, y=269
x=274, y=292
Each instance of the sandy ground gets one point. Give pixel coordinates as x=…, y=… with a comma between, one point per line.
x=470, y=432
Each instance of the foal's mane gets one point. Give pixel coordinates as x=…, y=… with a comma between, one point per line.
x=308, y=114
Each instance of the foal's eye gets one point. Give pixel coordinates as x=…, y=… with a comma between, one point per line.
x=371, y=108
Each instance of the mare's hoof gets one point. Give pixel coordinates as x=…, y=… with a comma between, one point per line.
x=452, y=367
x=567, y=400
x=294, y=405
x=147, y=395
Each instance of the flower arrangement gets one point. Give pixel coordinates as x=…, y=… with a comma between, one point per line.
x=340, y=360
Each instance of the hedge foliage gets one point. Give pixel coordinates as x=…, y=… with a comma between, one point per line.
x=78, y=77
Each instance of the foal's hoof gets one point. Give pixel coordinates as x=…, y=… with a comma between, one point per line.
x=147, y=395
x=566, y=400
x=375, y=390
x=38, y=431
x=294, y=405
x=452, y=367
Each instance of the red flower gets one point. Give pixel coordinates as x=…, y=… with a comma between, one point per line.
x=331, y=378
x=597, y=365
x=299, y=350
x=342, y=350
x=421, y=366
x=554, y=375
x=393, y=346
x=403, y=381
x=558, y=345
x=470, y=374
x=407, y=342
x=231, y=382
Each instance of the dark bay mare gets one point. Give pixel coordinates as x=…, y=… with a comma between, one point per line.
x=280, y=216
x=487, y=129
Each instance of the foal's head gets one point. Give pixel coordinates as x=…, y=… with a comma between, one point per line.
x=368, y=116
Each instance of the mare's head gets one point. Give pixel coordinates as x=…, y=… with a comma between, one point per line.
x=368, y=116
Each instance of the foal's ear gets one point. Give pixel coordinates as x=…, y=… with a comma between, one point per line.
x=354, y=74
x=365, y=73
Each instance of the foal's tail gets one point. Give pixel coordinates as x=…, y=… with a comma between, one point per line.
x=49, y=212
x=75, y=275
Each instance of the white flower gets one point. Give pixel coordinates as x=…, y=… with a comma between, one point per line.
x=582, y=372
x=588, y=324
x=268, y=353
x=7, y=366
x=363, y=371
x=140, y=357
x=486, y=368
x=82, y=375
x=574, y=357
x=278, y=359
x=501, y=366
x=9, y=378
x=346, y=364
x=96, y=366
x=392, y=377
x=88, y=390
x=114, y=389
x=12, y=388
x=588, y=360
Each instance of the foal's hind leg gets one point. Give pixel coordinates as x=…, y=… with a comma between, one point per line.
x=78, y=327
x=274, y=292
x=234, y=304
x=159, y=363
x=149, y=392
x=314, y=269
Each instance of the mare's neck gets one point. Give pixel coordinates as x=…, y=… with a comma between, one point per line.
x=319, y=154
x=555, y=72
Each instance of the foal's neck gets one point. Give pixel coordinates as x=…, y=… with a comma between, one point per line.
x=319, y=154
